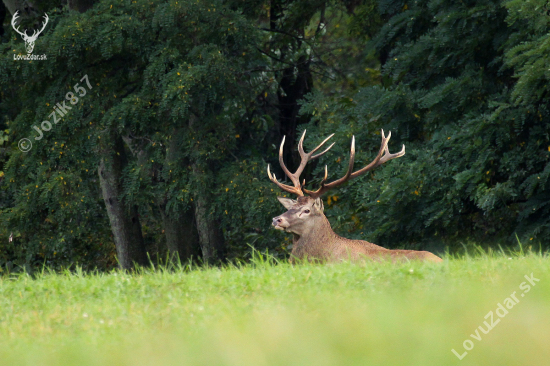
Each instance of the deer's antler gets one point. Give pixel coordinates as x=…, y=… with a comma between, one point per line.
x=305, y=157
x=382, y=157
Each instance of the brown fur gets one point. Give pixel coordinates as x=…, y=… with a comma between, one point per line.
x=314, y=238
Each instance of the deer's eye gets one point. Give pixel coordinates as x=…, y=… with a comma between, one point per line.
x=306, y=211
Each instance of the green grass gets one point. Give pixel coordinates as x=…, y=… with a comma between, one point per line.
x=265, y=314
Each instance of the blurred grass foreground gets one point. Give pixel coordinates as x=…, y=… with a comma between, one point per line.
x=268, y=313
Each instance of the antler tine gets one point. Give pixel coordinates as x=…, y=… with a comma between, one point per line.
x=323, y=153
x=305, y=157
x=319, y=146
x=325, y=187
x=283, y=166
x=295, y=178
x=301, y=145
x=376, y=162
x=350, y=166
x=326, y=176
x=308, y=156
x=382, y=157
x=284, y=187
x=387, y=156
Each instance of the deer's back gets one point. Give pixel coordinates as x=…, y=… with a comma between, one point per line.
x=359, y=249
x=340, y=248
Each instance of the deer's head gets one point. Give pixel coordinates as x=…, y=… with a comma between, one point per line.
x=301, y=216
x=29, y=40
x=304, y=213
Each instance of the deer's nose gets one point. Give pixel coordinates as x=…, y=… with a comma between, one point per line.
x=277, y=220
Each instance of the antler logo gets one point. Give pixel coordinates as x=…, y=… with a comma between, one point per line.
x=29, y=40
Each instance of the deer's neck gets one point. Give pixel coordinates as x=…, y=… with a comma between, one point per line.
x=316, y=239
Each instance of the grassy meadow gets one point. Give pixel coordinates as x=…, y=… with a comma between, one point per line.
x=266, y=313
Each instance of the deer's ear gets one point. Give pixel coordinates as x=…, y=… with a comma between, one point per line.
x=319, y=204
x=287, y=202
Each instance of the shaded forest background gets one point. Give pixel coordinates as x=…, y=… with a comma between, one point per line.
x=167, y=151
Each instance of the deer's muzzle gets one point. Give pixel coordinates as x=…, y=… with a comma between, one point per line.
x=280, y=223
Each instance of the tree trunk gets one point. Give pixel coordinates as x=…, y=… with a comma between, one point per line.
x=3, y=12
x=210, y=234
x=292, y=86
x=125, y=223
x=293, y=90
x=22, y=6
x=26, y=8
x=182, y=238
x=81, y=5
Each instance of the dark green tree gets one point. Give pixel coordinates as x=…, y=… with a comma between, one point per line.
x=163, y=92
x=164, y=148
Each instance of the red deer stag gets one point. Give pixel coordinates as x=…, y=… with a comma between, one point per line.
x=314, y=239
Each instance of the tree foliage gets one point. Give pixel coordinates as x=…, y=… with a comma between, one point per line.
x=196, y=95
x=467, y=96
